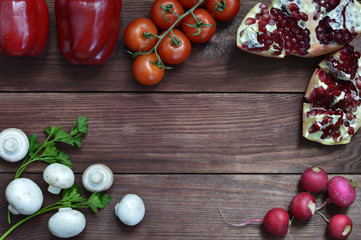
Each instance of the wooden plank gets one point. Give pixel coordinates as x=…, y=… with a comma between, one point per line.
x=186, y=207
x=181, y=133
x=217, y=66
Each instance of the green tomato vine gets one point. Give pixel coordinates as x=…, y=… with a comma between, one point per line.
x=175, y=40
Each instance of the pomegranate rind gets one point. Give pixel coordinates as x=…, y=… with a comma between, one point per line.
x=252, y=31
x=247, y=33
x=308, y=121
x=313, y=115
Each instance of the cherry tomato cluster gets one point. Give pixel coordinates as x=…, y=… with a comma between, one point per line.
x=173, y=46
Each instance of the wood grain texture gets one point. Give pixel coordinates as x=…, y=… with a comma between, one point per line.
x=221, y=130
x=182, y=133
x=217, y=66
x=186, y=207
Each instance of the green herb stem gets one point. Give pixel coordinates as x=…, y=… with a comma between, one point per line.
x=71, y=199
x=44, y=210
x=26, y=162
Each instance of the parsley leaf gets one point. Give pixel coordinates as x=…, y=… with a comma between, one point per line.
x=72, y=195
x=34, y=144
x=48, y=151
x=53, y=155
x=98, y=200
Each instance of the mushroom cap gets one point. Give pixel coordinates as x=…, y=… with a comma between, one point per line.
x=14, y=144
x=59, y=176
x=67, y=223
x=130, y=210
x=24, y=196
x=97, y=178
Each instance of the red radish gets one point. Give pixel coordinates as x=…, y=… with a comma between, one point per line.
x=340, y=226
x=314, y=179
x=303, y=206
x=341, y=191
x=276, y=221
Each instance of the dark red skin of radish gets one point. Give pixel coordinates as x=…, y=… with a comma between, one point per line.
x=300, y=206
x=341, y=192
x=276, y=222
x=314, y=179
x=337, y=226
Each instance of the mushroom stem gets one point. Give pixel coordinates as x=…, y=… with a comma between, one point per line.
x=54, y=190
x=97, y=177
x=11, y=144
x=13, y=210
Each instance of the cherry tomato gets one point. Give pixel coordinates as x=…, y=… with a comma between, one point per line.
x=171, y=53
x=145, y=71
x=156, y=12
x=189, y=3
x=134, y=38
x=204, y=30
x=223, y=10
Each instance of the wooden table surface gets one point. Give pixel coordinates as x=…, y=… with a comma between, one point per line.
x=222, y=130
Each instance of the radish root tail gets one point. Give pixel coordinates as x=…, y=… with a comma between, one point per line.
x=238, y=225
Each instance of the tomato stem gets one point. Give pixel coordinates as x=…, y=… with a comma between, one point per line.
x=199, y=24
x=150, y=35
x=170, y=29
x=220, y=6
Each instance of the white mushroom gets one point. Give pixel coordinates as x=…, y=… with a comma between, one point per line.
x=130, y=210
x=14, y=145
x=58, y=176
x=97, y=178
x=24, y=196
x=66, y=223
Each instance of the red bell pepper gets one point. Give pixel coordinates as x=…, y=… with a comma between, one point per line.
x=87, y=29
x=24, y=27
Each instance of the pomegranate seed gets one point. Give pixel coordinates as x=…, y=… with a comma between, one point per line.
x=327, y=119
x=325, y=33
x=296, y=16
x=318, y=125
x=337, y=92
x=264, y=11
x=262, y=6
x=293, y=7
x=351, y=131
x=320, y=91
x=336, y=137
x=349, y=116
x=266, y=17
x=329, y=112
x=339, y=122
x=328, y=4
x=348, y=61
x=312, y=129
x=250, y=21
x=320, y=111
x=304, y=16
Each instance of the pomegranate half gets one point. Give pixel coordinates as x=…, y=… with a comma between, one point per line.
x=333, y=113
x=305, y=28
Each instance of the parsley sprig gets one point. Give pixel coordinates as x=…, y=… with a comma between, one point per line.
x=48, y=152
x=71, y=198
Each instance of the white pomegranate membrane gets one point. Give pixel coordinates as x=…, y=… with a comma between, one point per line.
x=304, y=28
x=333, y=113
